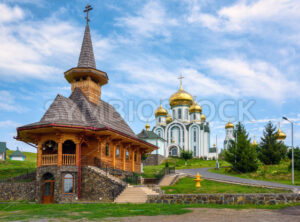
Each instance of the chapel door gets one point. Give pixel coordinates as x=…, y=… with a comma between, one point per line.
x=48, y=191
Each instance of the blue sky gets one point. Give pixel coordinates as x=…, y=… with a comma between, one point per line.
x=232, y=51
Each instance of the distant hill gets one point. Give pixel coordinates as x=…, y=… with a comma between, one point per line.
x=12, y=168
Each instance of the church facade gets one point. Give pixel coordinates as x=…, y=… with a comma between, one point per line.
x=185, y=128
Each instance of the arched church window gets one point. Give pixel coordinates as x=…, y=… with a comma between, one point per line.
x=68, y=183
x=195, y=150
x=195, y=135
x=107, y=149
x=159, y=119
x=179, y=114
x=174, y=114
x=186, y=114
x=194, y=116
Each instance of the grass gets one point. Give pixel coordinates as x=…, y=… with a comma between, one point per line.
x=84, y=212
x=187, y=186
x=13, y=168
x=274, y=173
x=150, y=171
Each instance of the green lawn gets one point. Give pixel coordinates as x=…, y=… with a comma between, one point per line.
x=84, y=212
x=150, y=171
x=187, y=186
x=275, y=173
x=12, y=168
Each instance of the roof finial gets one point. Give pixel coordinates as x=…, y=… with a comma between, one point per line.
x=180, y=79
x=87, y=9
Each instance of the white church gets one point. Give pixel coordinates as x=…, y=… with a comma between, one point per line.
x=185, y=128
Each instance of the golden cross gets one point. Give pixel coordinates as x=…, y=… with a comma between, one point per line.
x=180, y=78
x=87, y=9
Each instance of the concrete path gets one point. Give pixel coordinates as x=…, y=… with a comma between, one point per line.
x=204, y=173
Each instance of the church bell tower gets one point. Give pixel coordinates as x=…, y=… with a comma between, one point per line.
x=86, y=76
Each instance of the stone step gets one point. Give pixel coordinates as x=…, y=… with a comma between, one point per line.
x=136, y=194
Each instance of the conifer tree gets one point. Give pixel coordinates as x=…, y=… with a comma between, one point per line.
x=270, y=150
x=241, y=154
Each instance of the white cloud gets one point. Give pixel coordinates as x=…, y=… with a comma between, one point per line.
x=10, y=14
x=245, y=15
x=151, y=20
x=8, y=104
x=255, y=79
x=8, y=124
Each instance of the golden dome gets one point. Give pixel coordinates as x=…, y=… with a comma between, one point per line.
x=195, y=108
x=203, y=117
x=280, y=135
x=147, y=126
x=169, y=118
x=254, y=143
x=181, y=97
x=161, y=111
x=229, y=125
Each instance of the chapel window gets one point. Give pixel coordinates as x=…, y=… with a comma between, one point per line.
x=186, y=114
x=68, y=183
x=127, y=155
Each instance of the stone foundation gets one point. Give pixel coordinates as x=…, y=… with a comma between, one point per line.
x=17, y=191
x=260, y=199
x=58, y=173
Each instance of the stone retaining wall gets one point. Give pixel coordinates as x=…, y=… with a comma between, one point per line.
x=224, y=198
x=153, y=159
x=17, y=191
x=96, y=187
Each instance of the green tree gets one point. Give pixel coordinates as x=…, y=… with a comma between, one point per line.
x=270, y=150
x=241, y=154
x=296, y=158
x=186, y=155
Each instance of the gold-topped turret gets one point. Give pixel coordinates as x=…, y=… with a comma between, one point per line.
x=169, y=119
x=229, y=125
x=195, y=108
x=254, y=143
x=160, y=111
x=147, y=126
x=279, y=134
x=181, y=97
x=203, y=117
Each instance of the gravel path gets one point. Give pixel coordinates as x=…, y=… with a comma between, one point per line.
x=222, y=215
x=204, y=173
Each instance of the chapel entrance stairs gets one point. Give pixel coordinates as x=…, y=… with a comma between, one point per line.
x=135, y=194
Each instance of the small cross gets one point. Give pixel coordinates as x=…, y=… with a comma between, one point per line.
x=87, y=9
x=195, y=98
x=180, y=78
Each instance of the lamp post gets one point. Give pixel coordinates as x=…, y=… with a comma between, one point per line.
x=292, y=131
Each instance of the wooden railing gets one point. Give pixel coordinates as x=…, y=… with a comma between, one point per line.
x=69, y=159
x=50, y=159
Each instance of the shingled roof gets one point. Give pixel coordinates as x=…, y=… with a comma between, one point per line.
x=86, y=58
x=148, y=135
x=77, y=110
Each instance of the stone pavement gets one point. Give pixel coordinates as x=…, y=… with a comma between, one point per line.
x=204, y=173
x=222, y=215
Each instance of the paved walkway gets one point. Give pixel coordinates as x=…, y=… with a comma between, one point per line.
x=204, y=173
x=221, y=215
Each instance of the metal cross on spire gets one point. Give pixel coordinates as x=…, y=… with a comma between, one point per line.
x=87, y=9
x=180, y=79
